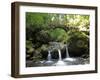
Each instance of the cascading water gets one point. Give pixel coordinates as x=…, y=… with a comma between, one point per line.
x=49, y=59
x=59, y=52
x=49, y=56
x=60, y=62
x=68, y=58
x=55, y=46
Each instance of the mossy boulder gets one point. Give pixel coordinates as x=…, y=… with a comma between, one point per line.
x=58, y=35
x=78, y=43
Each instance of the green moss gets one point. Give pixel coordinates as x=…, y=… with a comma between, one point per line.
x=58, y=34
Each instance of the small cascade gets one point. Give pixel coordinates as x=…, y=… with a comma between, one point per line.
x=60, y=62
x=68, y=58
x=59, y=52
x=49, y=56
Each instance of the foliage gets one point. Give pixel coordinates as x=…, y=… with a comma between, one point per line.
x=42, y=28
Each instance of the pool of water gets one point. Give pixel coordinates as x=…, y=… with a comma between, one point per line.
x=63, y=62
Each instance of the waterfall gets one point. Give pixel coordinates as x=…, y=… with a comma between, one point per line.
x=60, y=62
x=59, y=52
x=68, y=58
x=49, y=56
x=67, y=53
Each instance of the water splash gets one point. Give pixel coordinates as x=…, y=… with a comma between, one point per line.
x=60, y=63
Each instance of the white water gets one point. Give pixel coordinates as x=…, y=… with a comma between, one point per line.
x=49, y=56
x=59, y=52
x=67, y=56
x=60, y=62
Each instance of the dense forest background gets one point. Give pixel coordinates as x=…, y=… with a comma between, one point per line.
x=43, y=28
